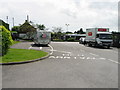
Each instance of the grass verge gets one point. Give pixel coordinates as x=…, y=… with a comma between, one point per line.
x=15, y=42
x=19, y=55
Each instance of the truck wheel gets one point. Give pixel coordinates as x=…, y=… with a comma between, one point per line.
x=89, y=44
x=108, y=47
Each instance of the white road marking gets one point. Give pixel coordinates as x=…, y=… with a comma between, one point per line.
x=93, y=54
x=82, y=57
x=102, y=58
x=113, y=61
x=51, y=49
x=52, y=57
x=66, y=57
x=88, y=58
x=40, y=48
x=30, y=47
x=75, y=57
x=60, y=51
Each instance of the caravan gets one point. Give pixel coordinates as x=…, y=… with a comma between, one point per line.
x=42, y=37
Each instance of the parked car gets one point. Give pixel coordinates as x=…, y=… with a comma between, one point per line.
x=82, y=40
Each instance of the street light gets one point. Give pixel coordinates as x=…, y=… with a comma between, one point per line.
x=67, y=26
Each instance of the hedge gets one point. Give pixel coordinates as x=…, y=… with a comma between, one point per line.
x=5, y=40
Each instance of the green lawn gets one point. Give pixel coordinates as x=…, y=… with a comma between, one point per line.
x=18, y=55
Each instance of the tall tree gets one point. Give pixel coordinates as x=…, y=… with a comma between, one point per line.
x=80, y=31
x=16, y=28
x=40, y=26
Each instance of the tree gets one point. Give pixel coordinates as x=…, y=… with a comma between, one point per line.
x=57, y=29
x=41, y=26
x=69, y=32
x=57, y=32
x=80, y=31
x=16, y=28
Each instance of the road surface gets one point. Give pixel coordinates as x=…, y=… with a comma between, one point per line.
x=70, y=65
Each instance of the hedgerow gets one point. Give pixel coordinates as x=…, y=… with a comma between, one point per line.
x=5, y=39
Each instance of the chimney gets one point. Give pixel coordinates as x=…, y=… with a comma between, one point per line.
x=27, y=18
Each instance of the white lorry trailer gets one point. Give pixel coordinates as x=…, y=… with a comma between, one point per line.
x=42, y=37
x=98, y=37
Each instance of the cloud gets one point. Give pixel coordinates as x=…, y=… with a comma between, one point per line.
x=78, y=13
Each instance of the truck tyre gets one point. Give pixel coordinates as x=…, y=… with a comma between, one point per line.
x=108, y=47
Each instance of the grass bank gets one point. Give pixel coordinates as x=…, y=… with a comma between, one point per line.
x=19, y=55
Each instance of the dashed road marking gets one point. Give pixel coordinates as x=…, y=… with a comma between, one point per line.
x=102, y=58
x=75, y=57
x=52, y=57
x=93, y=54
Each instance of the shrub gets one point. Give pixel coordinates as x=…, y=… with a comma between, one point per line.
x=6, y=39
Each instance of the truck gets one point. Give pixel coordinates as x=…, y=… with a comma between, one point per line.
x=98, y=37
x=42, y=37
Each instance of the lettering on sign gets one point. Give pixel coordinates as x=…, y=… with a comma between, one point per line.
x=102, y=30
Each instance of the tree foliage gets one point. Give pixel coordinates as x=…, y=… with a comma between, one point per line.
x=40, y=26
x=16, y=28
x=80, y=31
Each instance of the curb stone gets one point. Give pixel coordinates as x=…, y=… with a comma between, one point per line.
x=15, y=63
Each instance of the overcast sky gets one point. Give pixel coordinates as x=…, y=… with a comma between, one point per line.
x=56, y=13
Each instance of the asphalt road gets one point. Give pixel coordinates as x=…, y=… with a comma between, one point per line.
x=70, y=65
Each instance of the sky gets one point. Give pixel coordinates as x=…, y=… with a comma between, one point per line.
x=57, y=13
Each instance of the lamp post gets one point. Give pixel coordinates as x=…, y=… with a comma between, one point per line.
x=67, y=26
x=13, y=21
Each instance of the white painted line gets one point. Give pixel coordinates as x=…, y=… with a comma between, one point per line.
x=75, y=57
x=63, y=54
x=82, y=57
x=57, y=56
x=30, y=47
x=66, y=57
x=40, y=48
x=113, y=61
x=102, y=58
x=93, y=58
x=93, y=54
x=60, y=51
x=51, y=49
x=52, y=57
x=88, y=58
